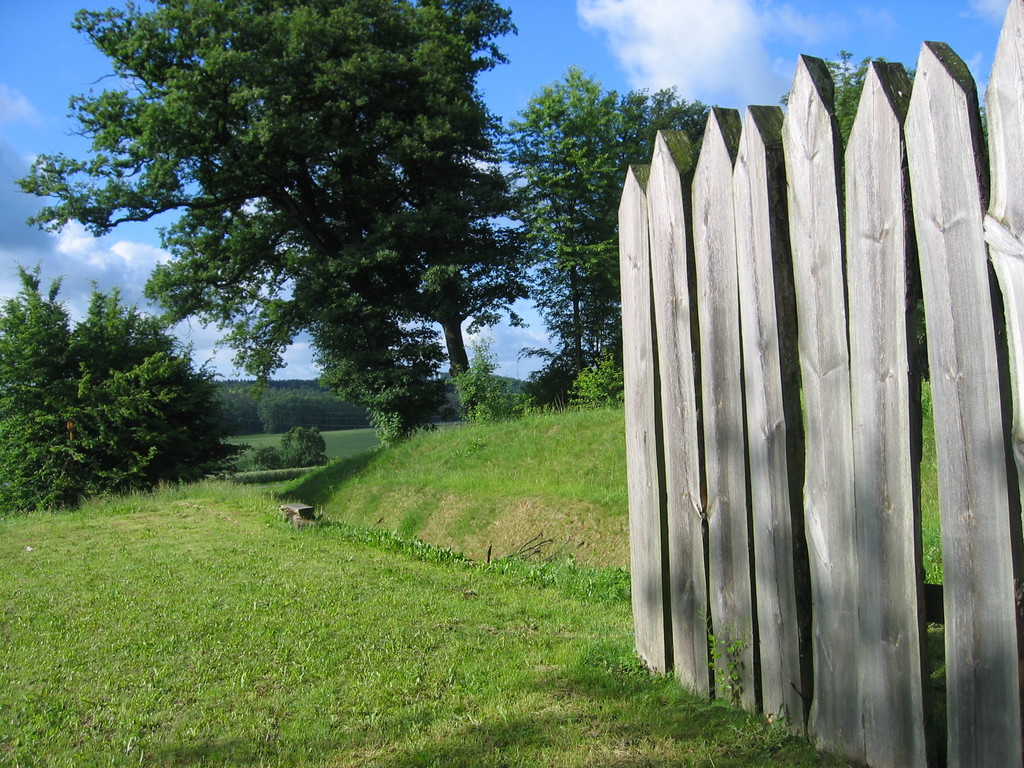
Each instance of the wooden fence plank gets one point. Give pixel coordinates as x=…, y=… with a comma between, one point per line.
x=730, y=549
x=675, y=313
x=811, y=139
x=1004, y=232
x=944, y=147
x=1004, y=226
x=774, y=431
x=886, y=417
x=647, y=523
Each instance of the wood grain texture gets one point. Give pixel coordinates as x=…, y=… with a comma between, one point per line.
x=1004, y=226
x=774, y=430
x=647, y=522
x=675, y=314
x=730, y=548
x=885, y=407
x=811, y=140
x=944, y=149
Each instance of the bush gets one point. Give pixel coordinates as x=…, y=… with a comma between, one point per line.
x=109, y=404
x=267, y=457
x=600, y=386
x=303, y=447
x=484, y=396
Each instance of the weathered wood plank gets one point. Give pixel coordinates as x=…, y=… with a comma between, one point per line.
x=774, y=430
x=668, y=201
x=883, y=289
x=811, y=140
x=1004, y=232
x=944, y=148
x=647, y=522
x=730, y=548
x=1004, y=226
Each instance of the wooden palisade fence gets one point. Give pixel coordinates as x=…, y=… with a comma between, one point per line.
x=770, y=291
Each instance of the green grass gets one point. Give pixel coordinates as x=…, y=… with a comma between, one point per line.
x=194, y=628
x=931, y=535
x=479, y=488
x=562, y=477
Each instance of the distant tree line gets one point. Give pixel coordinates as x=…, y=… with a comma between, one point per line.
x=284, y=405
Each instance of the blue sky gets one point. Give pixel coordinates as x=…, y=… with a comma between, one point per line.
x=725, y=52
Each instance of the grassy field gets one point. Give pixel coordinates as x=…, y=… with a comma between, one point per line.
x=193, y=627
x=341, y=444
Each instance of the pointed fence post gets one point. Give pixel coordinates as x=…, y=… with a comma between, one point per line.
x=811, y=139
x=647, y=523
x=883, y=290
x=1004, y=225
x=944, y=150
x=1004, y=232
x=730, y=548
x=774, y=425
x=675, y=312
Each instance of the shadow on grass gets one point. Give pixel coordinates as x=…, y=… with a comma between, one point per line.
x=604, y=715
x=226, y=752
x=319, y=487
x=603, y=712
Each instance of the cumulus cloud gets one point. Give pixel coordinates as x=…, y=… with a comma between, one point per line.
x=712, y=50
x=16, y=207
x=83, y=262
x=508, y=342
x=15, y=108
x=993, y=10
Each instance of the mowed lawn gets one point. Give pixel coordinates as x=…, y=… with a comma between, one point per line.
x=193, y=627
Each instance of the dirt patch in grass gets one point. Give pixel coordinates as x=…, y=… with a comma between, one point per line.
x=526, y=526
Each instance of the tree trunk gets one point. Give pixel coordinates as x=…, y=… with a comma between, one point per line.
x=458, y=358
x=577, y=321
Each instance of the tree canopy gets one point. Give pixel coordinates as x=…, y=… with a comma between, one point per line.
x=569, y=152
x=108, y=404
x=333, y=169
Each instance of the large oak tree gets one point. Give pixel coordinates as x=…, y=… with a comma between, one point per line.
x=333, y=169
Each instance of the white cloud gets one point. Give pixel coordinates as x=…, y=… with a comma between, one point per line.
x=712, y=50
x=109, y=263
x=787, y=20
x=16, y=108
x=993, y=10
x=508, y=342
x=663, y=43
x=298, y=359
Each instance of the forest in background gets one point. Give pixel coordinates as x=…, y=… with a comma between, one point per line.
x=286, y=404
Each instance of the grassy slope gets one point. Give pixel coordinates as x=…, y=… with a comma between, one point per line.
x=193, y=627
x=559, y=477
